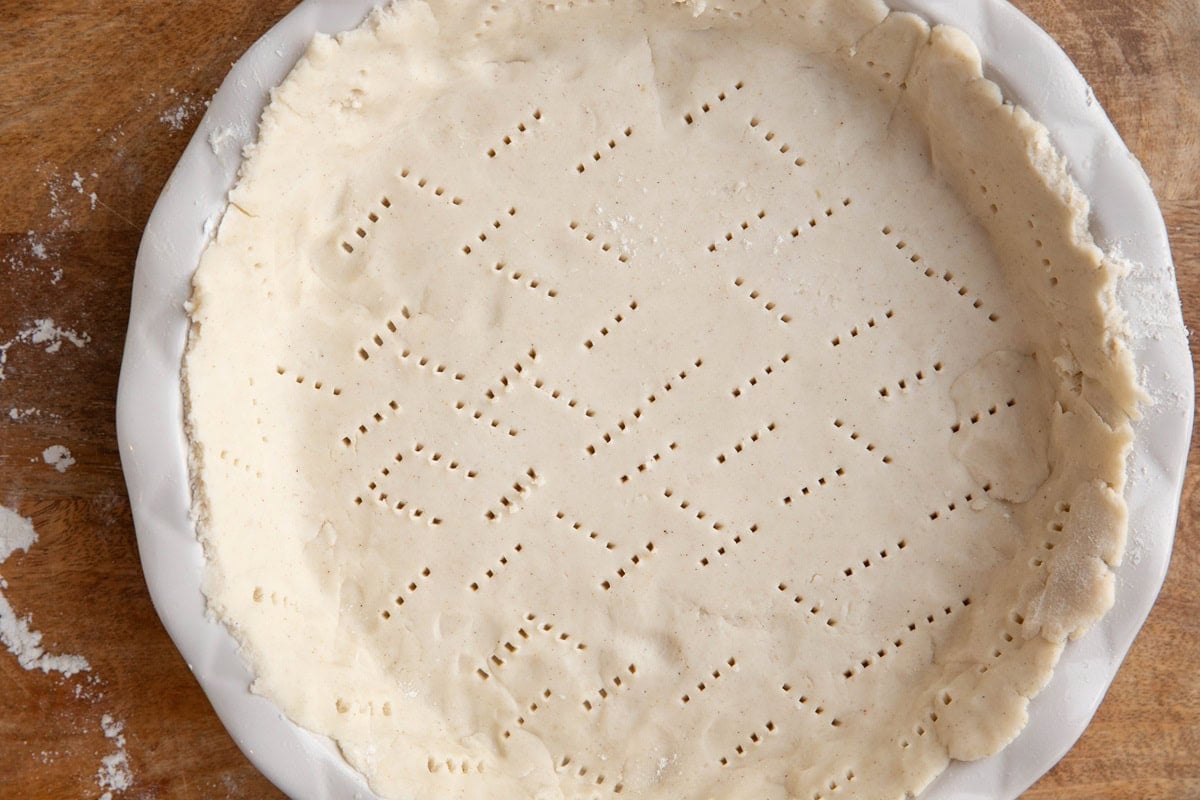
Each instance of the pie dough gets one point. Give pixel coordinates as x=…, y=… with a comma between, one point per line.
x=594, y=399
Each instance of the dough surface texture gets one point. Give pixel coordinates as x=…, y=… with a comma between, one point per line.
x=602, y=399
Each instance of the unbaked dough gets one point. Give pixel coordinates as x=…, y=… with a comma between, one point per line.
x=594, y=399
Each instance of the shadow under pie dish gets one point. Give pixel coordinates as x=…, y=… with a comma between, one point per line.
x=655, y=401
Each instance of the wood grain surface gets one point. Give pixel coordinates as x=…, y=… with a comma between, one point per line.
x=97, y=100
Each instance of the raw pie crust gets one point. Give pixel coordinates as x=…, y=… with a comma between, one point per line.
x=596, y=398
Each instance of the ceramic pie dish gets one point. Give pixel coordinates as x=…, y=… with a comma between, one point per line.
x=214, y=142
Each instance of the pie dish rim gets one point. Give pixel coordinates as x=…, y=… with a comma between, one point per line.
x=153, y=446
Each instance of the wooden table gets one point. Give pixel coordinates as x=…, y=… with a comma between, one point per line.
x=97, y=100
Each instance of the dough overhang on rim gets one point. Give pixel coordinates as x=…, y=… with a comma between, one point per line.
x=589, y=399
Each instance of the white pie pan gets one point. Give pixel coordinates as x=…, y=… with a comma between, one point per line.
x=1032, y=71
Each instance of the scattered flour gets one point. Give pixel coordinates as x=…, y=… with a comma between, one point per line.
x=41, y=251
x=59, y=457
x=77, y=184
x=114, y=774
x=177, y=116
x=43, y=332
x=174, y=118
x=87, y=688
x=39, y=256
x=16, y=533
x=37, y=247
x=43, y=245
x=228, y=140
